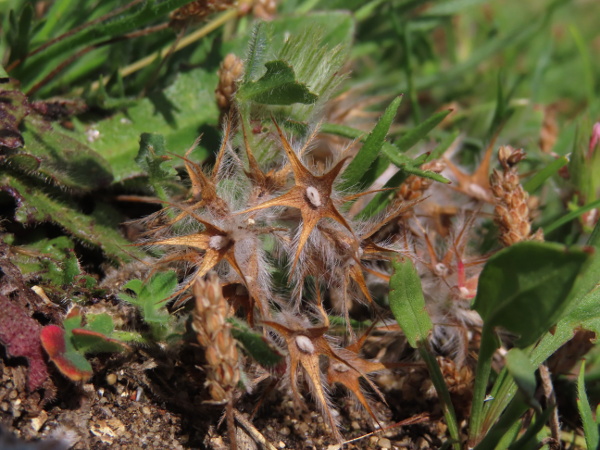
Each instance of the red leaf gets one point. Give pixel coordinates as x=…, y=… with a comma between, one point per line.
x=70, y=365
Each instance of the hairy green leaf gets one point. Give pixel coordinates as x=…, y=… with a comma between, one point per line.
x=276, y=87
x=369, y=152
x=407, y=302
x=255, y=344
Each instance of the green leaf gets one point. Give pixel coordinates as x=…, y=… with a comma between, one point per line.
x=523, y=372
x=63, y=160
x=53, y=260
x=414, y=135
x=19, y=32
x=100, y=323
x=34, y=205
x=535, y=182
x=255, y=52
x=407, y=302
x=405, y=163
x=151, y=157
x=533, y=278
x=151, y=296
x=591, y=428
x=570, y=216
x=369, y=152
x=255, y=344
x=276, y=87
x=174, y=112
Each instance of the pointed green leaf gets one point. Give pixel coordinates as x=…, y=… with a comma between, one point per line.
x=523, y=372
x=533, y=278
x=356, y=170
x=590, y=426
x=278, y=86
x=535, y=182
x=417, y=133
x=407, y=302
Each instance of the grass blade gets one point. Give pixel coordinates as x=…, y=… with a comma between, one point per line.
x=590, y=427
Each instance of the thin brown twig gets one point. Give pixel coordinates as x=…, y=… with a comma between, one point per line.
x=252, y=431
x=548, y=389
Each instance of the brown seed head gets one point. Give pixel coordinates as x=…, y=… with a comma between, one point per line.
x=214, y=334
x=230, y=71
x=512, y=210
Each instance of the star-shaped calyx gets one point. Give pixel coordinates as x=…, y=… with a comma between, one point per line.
x=264, y=184
x=311, y=194
x=218, y=244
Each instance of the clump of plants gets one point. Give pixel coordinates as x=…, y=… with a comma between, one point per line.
x=313, y=243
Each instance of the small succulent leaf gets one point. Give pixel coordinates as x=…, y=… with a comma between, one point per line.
x=523, y=372
x=69, y=362
x=417, y=133
x=255, y=344
x=407, y=302
x=591, y=428
x=160, y=286
x=87, y=341
x=533, y=278
x=278, y=86
x=100, y=323
x=150, y=296
x=369, y=152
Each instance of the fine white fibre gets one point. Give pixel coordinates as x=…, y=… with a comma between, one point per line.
x=305, y=344
x=313, y=196
x=218, y=242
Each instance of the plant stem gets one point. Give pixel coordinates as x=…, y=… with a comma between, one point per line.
x=188, y=40
x=442, y=390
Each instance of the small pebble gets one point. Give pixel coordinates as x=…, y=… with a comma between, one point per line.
x=111, y=379
x=355, y=425
x=147, y=411
x=384, y=443
x=285, y=431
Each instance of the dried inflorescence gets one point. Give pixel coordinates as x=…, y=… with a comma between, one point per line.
x=512, y=208
x=230, y=71
x=214, y=334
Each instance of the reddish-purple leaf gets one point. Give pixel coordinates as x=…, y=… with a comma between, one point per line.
x=21, y=336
